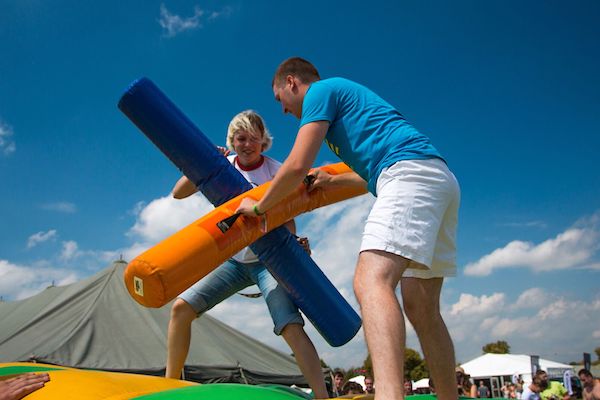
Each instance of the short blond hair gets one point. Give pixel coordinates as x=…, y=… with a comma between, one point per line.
x=249, y=121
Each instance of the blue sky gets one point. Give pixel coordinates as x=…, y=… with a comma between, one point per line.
x=508, y=91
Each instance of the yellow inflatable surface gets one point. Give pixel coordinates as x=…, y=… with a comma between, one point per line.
x=164, y=271
x=76, y=384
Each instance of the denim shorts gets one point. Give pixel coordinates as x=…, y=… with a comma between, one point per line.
x=233, y=276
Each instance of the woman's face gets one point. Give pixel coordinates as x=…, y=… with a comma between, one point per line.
x=248, y=148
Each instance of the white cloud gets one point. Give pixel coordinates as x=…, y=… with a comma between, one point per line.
x=557, y=329
x=225, y=12
x=572, y=248
x=525, y=224
x=531, y=298
x=174, y=24
x=484, y=304
x=594, y=266
x=60, y=206
x=69, y=250
x=7, y=145
x=164, y=216
x=40, y=237
x=511, y=327
x=489, y=322
x=19, y=281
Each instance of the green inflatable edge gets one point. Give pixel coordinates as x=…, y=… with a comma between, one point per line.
x=222, y=391
x=18, y=369
x=237, y=391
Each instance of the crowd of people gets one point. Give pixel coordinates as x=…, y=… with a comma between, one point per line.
x=541, y=387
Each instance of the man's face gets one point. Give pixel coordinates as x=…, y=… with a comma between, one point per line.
x=368, y=384
x=586, y=380
x=339, y=380
x=287, y=94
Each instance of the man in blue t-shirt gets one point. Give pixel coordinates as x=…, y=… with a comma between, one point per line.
x=409, y=237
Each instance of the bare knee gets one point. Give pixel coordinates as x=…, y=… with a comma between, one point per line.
x=421, y=314
x=376, y=272
x=182, y=312
x=293, y=332
x=421, y=302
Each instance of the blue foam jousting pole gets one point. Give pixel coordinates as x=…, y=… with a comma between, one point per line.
x=193, y=153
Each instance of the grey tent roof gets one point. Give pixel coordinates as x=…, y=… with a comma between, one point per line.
x=95, y=324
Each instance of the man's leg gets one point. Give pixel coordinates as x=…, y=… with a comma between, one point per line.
x=178, y=337
x=306, y=357
x=375, y=281
x=421, y=299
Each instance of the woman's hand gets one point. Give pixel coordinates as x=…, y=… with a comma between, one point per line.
x=303, y=241
x=319, y=179
x=223, y=150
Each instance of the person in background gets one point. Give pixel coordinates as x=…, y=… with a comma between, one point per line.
x=338, y=384
x=369, y=385
x=504, y=390
x=408, y=388
x=512, y=391
x=519, y=385
x=249, y=138
x=591, y=386
x=352, y=388
x=551, y=390
x=532, y=391
x=463, y=383
x=482, y=390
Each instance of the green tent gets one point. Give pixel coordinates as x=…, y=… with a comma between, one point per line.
x=95, y=324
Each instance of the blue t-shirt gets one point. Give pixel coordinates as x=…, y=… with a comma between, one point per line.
x=365, y=131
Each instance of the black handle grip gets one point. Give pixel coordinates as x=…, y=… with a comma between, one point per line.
x=227, y=223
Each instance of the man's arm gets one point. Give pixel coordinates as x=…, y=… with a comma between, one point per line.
x=323, y=179
x=294, y=169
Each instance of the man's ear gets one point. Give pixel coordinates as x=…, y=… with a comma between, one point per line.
x=290, y=80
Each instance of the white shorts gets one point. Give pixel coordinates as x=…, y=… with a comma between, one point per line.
x=415, y=216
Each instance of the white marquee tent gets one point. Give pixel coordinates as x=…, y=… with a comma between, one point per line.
x=489, y=365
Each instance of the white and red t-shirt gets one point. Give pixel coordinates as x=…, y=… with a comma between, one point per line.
x=257, y=175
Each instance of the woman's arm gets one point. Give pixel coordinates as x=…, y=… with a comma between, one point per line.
x=183, y=188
